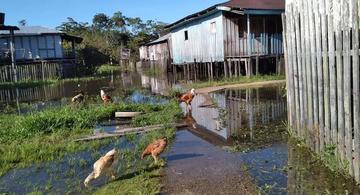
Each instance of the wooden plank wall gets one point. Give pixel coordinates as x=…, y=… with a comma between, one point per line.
x=323, y=77
x=38, y=71
x=264, y=40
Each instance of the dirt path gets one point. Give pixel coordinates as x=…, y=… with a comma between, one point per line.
x=206, y=90
x=197, y=167
x=240, y=85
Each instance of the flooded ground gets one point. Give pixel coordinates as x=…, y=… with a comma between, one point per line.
x=240, y=146
x=236, y=145
x=65, y=176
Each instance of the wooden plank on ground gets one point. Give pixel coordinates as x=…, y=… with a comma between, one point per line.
x=126, y=131
x=126, y=114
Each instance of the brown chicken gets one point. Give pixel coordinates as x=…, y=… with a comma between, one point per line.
x=187, y=98
x=155, y=149
x=105, y=97
x=104, y=166
x=78, y=98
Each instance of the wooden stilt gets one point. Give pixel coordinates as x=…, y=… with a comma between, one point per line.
x=257, y=65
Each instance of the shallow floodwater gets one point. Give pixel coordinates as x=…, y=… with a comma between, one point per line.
x=124, y=86
x=245, y=128
x=65, y=176
x=238, y=145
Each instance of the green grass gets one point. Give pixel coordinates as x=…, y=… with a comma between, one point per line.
x=107, y=69
x=141, y=177
x=234, y=80
x=152, y=72
x=142, y=183
x=47, y=135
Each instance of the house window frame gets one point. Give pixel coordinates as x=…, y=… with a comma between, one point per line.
x=213, y=27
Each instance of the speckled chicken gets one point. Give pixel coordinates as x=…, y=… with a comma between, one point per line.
x=155, y=149
x=104, y=166
x=78, y=98
x=187, y=98
x=105, y=97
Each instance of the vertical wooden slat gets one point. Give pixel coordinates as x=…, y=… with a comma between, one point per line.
x=347, y=86
x=356, y=88
x=319, y=71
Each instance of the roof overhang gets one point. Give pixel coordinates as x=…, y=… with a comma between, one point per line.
x=233, y=7
x=3, y=27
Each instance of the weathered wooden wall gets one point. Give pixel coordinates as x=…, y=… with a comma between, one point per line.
x=265, y=36
x=37, y=71
x=322, y=61
x=203, y=44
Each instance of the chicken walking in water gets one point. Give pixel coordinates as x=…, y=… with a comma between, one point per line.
x=78, y=98
x=187, y=98
x=105, y=97
x=104, y=166
x=155, y=149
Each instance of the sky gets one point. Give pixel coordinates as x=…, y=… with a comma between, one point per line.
x=51, y=13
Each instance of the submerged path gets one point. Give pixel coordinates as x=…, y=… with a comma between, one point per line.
x=196, y=166
x=206, y=90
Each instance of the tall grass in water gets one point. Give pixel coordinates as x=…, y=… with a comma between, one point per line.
x=107, y=69
x=49, y=134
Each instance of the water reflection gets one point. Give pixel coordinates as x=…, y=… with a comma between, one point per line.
x=237, y=109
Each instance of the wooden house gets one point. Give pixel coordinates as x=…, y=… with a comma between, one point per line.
x=231, y=33
x=157, y=52
x=34, y=43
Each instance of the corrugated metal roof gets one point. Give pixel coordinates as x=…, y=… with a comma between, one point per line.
x=39, y=30
x=159, y=40
x=256, y=4
x=235, y=4
x=33, y=30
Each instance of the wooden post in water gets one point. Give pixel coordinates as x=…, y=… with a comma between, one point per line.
x=257, y=64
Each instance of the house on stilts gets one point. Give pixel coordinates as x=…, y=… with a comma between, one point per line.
x=238, y=37
x=35, y=53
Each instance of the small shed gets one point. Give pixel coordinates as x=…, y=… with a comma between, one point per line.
x=38, y=43
x=157, y=49
x=157, y=52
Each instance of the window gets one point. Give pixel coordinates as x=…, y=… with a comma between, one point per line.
x=186, y=35
x=213, y=27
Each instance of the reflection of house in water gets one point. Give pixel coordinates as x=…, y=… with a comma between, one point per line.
x=157, y=85
x=239, y=108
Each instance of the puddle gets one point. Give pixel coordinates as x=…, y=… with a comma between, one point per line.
x=65, y=176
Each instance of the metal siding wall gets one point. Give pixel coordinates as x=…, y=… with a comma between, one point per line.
x=58, y=47
x=202, y=45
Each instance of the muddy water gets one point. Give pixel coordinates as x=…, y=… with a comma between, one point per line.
x=242, y=137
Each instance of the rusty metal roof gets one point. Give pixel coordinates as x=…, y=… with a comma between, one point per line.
x=256, y=4
x=234, y=4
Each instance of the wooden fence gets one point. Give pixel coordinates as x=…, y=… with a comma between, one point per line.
x=322, y=60
x=36, y=71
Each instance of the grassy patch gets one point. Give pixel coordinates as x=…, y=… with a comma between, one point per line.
x=152, y=72
x=142, y=183
x=235, y=80
x=47, y=135
x=107, y=69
